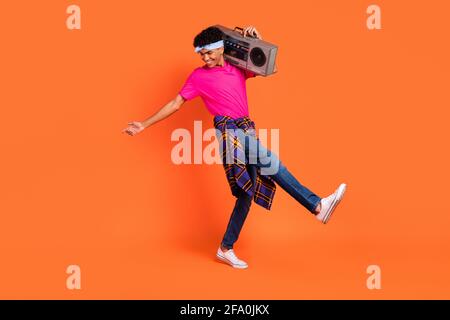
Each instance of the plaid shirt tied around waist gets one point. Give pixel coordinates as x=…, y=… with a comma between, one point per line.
x=236, y=172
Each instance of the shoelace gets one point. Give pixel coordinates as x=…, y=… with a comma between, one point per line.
x=232, y=254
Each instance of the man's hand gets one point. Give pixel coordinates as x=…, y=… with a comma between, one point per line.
x=173, y=105
x=252, y=32
x=134, y=128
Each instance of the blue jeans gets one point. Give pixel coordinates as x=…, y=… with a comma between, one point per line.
x=262, y=157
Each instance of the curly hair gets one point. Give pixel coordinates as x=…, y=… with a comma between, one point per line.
x=207, y=36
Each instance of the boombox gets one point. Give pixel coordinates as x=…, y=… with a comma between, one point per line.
x=248, y=52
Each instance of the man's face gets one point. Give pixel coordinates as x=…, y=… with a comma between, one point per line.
x=211, y=57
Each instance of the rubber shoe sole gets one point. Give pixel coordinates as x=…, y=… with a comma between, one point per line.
x=339, y=195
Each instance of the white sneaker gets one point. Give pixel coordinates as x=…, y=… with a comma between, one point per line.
x=230, y=258
x=329, y=203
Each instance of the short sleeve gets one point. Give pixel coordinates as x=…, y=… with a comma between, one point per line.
x=189, y=90
x=249, y=74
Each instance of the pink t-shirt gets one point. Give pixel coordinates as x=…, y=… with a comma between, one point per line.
x=222, y=89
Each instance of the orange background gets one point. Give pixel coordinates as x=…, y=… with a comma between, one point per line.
x=369, y=108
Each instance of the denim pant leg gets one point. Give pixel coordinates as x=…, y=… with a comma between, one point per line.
x=240, y=210
x=271, y=165
x=239, y=214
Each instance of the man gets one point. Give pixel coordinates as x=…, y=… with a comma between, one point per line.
x=221, y=86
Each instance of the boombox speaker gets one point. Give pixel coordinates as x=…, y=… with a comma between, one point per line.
x=248, y=52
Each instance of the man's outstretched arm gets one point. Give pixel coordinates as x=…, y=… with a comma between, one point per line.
x=134, y=127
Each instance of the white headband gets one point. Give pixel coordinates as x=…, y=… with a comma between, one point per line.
x=210, y=46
